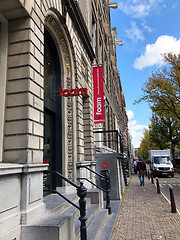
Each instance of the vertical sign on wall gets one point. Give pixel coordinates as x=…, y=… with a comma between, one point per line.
x=98, y=95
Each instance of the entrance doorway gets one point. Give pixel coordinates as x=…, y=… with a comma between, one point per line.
x=52, y=111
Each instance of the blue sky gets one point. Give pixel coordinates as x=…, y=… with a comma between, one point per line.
x=147, y=28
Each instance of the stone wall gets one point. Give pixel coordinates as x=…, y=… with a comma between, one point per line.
x=21, y=170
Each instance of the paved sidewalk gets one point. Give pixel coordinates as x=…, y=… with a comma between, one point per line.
x=145, y=213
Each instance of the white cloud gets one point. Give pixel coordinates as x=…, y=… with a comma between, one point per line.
x=136, y=138
x=153, y=52
x=139, y=8
x=130, y=114
x=135, y=129
x=134, y=32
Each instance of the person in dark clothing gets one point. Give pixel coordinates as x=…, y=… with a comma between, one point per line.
x=141, y=167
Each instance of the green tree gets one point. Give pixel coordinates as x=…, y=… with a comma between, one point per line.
x=159, y=133
x=162, y=90
x=165, y=132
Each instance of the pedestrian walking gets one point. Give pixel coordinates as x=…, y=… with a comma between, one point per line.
x=141, y=167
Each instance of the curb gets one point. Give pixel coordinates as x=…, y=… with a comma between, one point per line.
x=166, y=198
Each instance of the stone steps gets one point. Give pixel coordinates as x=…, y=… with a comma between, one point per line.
x=106, y=230
x=55, y=203
x=91, y=214
x=96, y=225
x=61, y=220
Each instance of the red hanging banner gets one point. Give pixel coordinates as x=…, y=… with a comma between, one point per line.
x=98, y=95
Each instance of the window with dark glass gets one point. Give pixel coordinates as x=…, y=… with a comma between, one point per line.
x=84, y=70
x=52, y=110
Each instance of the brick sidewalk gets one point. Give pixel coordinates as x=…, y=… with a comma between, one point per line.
x=145, y=213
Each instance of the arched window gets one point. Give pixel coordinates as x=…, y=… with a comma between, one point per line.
x=52, y=109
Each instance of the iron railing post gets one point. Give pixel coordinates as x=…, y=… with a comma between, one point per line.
x=81, y=192
x=107, y=175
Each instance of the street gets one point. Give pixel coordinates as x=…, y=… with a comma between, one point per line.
x=166, y=182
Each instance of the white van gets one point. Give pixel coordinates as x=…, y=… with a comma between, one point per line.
x=161, y=163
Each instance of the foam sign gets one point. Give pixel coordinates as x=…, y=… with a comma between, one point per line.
x=98, y=94
x=72, y=92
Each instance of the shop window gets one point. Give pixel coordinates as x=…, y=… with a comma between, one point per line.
x=87, y=127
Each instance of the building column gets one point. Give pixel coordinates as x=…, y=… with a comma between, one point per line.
x=24, y=114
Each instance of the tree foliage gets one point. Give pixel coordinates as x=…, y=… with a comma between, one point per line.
x=159, y=132
x=163, y=133
x=162, y=90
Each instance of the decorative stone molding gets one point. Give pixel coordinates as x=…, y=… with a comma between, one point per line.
x=52, y=22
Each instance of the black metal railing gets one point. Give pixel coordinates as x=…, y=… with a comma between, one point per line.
x=112, y=139
x=92, y=183
x=106, y=177
x=81, y=192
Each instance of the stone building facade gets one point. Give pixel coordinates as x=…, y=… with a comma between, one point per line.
x=104, y=41
x=47, y=51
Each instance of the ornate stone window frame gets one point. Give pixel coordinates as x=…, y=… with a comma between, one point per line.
x=54, y=25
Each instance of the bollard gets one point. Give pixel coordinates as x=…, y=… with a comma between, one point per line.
x=152, y=180
x=148, y=174
x=158, y=187
x=173, y=204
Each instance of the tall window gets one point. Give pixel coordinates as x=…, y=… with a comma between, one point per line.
x=51, y=69
x=93, y=32
x=105, y=70
x=84, y=69
x=100, y=52
x=52, y=109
